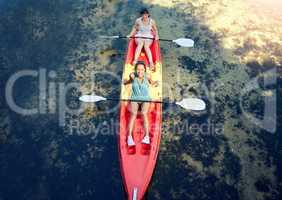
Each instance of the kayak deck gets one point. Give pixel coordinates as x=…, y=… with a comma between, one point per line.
x=137, y=168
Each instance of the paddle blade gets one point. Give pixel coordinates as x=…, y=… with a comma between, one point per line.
x=109, y=37
x=192, y=104
x=91, y=98
x=184, y=42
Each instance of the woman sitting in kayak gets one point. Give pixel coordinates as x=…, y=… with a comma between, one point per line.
x=143, y=27
x=140, y=92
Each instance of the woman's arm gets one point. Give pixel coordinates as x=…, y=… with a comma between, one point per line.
x=155, y=29
x=131, y=78
x=134, y=29
x=154, y=83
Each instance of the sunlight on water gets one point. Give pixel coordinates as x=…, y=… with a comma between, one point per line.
x=274, y=4
x=252, y=29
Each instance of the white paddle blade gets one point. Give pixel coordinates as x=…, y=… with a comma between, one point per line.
x=91, y=98
x=192, y=104
x=109, y=37
x=184, y=42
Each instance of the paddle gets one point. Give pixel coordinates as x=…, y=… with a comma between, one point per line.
x=187, y=103
x=184, y=42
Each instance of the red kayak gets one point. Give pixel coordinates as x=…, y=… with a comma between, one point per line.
x=138, y=166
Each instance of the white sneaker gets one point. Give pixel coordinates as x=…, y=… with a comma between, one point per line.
x=146, y=139
x=130, y=141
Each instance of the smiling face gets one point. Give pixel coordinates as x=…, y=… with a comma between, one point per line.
x=140, y=70
x=145, y=16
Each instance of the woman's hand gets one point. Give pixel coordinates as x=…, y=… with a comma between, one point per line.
x=131, y=78
x=156, y=83
x=153, y=83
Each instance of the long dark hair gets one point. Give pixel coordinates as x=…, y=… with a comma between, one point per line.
x=144, y=11
x=139, y=63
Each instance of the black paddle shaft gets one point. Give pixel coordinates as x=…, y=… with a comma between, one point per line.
x=147, y=38
x=141, y=101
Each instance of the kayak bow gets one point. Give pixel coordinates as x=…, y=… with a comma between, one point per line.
x=137, y=167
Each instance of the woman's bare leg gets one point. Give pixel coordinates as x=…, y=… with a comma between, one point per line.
x=145, y=108
x=147, y=45
x=133, y=110
x=140, y=44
